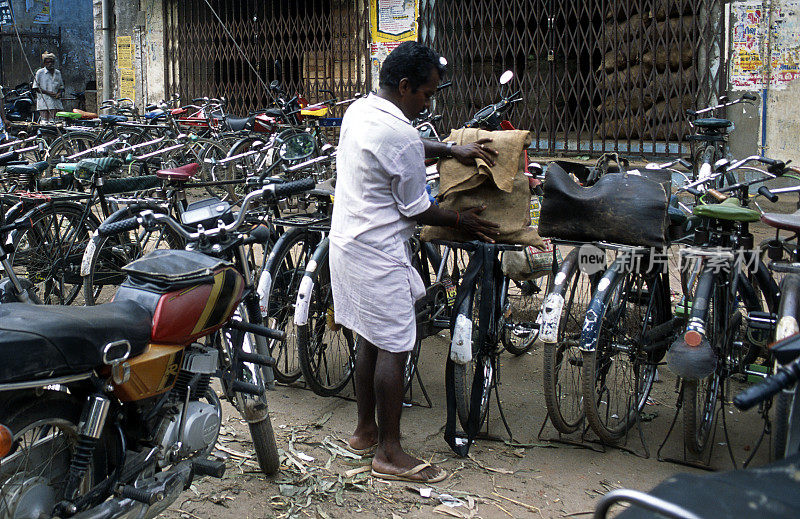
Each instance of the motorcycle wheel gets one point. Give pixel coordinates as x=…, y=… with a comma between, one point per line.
x=45, y=436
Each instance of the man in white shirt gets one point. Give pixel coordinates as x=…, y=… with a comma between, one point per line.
x=50, y=87
x=380, y=198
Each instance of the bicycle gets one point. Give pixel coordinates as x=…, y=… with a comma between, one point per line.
x=716, y=343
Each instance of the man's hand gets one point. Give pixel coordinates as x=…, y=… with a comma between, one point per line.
x=469, y=221
x=467, y=153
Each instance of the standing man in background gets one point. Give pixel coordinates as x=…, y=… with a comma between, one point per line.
x=50, y=88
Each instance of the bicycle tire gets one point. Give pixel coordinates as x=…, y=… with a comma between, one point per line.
x=699, y=397
x=211, y=149
x=286, y=266
x=464, y=374
x=326, y=369
x=632, y=371
x=783, y=408
x=69, y=144
x=47, y=253
x=562, y=361
x=111, y=253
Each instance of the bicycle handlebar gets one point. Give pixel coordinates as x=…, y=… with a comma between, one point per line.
x=270, y=192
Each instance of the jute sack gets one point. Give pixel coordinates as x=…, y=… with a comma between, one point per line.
x=502, y=188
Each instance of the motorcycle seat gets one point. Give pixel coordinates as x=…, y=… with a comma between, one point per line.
x=239, y=123
x=787, y=222
x=272, y=112
x=764, y=492
x=113, y=118
x=181, y=173
x=45, y=341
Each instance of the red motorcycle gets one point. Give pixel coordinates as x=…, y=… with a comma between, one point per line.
x=110, y=412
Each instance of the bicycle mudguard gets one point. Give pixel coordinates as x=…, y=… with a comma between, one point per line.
x=485, y=257
x=307, y=283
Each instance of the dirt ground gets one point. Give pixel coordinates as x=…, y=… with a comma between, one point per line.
x=535, y=474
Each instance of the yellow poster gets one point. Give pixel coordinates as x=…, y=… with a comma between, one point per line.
x=124, y=52
x=127, y=84
x=394, y=20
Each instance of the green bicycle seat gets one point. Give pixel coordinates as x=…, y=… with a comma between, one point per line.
x=68, y=115
x=730, y=209
x=67, y=167
x=98, y=166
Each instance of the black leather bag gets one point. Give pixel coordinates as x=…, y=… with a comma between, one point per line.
x=628, y=208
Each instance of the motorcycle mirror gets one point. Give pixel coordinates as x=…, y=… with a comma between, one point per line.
x=275, y=85
x=652, y=165
x=506, y=77
x=442, y=61
x=278, y=70
x=297, y=147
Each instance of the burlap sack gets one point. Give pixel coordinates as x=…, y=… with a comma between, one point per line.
x=503, y=188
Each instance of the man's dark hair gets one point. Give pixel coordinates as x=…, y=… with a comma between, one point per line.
x=411, y=60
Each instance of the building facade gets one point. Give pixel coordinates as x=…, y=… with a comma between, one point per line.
x=595, y=76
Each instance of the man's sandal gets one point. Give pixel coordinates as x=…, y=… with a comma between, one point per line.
x=410, y=473
x=369, y=452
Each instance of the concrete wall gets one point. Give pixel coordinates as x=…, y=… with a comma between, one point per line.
x=74, y=18
x=773, y=126
x=143, y=21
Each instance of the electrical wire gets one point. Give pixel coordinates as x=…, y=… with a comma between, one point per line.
x=238, y=48
x=22, y=49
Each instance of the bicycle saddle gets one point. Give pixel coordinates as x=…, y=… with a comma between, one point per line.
x=712, y=122
x=65, y=340
x=113, y=118
x=99, y=166
x=730, y=209
x=181, y=173
x=84, y=114
x=787, y=222
x=68, y=115
x=32, y=170
x=155, y=114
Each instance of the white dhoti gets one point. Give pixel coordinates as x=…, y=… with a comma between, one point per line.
x=374, y=292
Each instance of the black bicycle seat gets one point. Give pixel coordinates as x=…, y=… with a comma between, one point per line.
x=713, y=123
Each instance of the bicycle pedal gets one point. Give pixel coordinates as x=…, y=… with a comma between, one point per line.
x=756, y=373
x=761, y=320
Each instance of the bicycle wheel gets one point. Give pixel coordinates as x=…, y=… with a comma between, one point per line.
x=102, y=262
x=213, y=150
x=524, y=302
x=285, y=268
x=464, y=374
x=325, y=349
x=69, y=144
x=617, y=374
x=48, y=252
x=562, y=359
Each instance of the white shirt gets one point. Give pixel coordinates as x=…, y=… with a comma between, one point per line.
x=380, y=185
x=380, y=180
x=50, y=82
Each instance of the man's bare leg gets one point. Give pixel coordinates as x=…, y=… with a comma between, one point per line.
x=390, y=458
x=366, y=433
